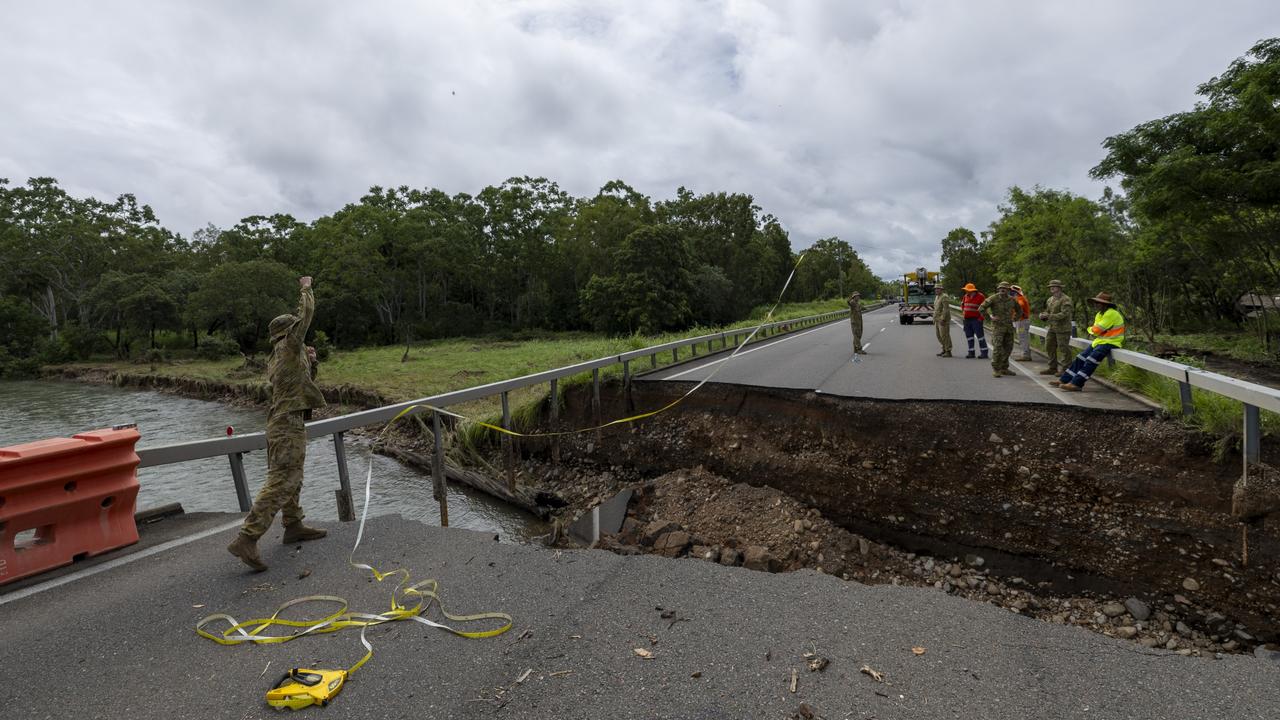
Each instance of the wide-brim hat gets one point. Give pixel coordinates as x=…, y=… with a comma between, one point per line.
x=1103, y=299
x=281, y=325
x=970, y=287
x=1004, y=286
x=1016, y=287
x=1055, y=283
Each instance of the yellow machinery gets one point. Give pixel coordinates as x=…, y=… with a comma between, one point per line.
x=917, y=295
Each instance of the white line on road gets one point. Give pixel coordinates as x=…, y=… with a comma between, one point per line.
x=744, y=352
x=112, y=564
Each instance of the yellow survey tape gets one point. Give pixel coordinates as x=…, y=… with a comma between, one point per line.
x=620, y=421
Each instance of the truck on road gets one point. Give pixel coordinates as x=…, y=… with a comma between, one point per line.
x=917, y=295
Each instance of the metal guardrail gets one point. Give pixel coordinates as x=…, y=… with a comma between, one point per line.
x=235, y=447
x=1253, y=396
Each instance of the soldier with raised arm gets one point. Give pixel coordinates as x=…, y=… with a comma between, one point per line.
x=293, y=395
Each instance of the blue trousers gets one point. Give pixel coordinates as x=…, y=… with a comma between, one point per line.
x=1085, y=363
x=973, y=329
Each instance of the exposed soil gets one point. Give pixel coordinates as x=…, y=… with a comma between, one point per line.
x=1058, y=512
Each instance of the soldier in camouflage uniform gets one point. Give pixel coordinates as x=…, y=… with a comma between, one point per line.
x=942, y=319
x=293, y=394
x=855, y=322
x=1002, y=310
x=1058, y=312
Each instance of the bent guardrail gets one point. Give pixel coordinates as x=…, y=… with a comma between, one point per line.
x=236, y=446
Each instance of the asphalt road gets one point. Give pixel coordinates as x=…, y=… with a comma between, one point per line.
x=120, y=644
x=900, y=364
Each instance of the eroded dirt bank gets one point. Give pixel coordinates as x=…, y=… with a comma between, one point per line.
x=1054, y=511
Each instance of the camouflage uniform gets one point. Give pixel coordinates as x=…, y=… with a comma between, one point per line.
x=1057, y=340
x=942, y=322
x=855, y=323
x=1002, y=309
x=293, y=393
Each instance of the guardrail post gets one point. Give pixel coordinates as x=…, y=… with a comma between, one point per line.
x=437, y=470
x=694, y=347
x=242, y=486
x=1188, y=402
x=595, y=398
x=1252, y=435
x=508, y=449
x=653, y=360
x=626, y=384
x=675, y=355
x=555, y=421
x=346, y=510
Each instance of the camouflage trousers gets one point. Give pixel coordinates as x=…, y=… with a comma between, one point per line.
x=856, y=327
x=1001, y=346
x=943, y=330
x=286, y=453
x=1057, y=345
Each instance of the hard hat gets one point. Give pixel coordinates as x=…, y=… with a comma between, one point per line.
x=970, y=287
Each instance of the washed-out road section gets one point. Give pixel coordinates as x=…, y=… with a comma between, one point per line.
x=120, y=643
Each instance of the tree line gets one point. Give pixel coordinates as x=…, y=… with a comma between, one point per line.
x=81, y=276
x=1196, y=228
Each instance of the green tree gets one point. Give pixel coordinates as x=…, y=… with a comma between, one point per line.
x=241, y=298
x=649, y=290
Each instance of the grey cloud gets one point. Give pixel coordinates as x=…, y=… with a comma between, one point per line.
x=886, y=123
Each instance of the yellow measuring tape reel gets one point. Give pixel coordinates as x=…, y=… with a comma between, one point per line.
x=303, y=687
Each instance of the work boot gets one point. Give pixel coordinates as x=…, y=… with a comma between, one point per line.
x=246, y=548
x=1007, y=371
x=1055, y=383
x=1049, y=371
x=1068, y=387
x=970, y=356
x=983, y=356
x=298, y=532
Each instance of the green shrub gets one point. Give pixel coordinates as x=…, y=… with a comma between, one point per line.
x=216, y=347
x=322, y=345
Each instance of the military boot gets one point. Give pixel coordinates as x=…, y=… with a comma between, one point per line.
x=945, y=354
x=1025, y=358
x=1007, y=371
x=997, y=373
x=298, y=532
x=246, y=548
x=1050, y=371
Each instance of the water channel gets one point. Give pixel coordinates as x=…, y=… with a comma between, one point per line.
x=35, y=410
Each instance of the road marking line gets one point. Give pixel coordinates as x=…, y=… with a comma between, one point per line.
x=744, y=352
x=1057, y=394
x=112, y=564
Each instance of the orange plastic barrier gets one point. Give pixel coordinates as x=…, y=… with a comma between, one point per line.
x=64, y=499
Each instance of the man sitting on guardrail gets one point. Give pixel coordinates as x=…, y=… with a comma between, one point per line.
x=1108, y=334
x=293, y=394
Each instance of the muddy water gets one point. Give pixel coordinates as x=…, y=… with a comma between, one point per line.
x=34, y=410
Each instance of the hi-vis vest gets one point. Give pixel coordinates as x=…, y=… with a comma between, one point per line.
x=1108, y=328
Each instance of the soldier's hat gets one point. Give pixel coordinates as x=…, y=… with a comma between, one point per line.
x=281, y=325
x=1003, y=286
x=1103, y=299
x=938, y=288
x=1055, y=283
x=856, y=294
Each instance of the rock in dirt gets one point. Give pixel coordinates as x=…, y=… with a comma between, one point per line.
x=655, y=529
x=758, y=557
x=705, y=552
x=671, y=544
x=1138, y=609
x=1190, y=584
x=1128, y=632
x=1113, y=610
x=995, y=438
x=730, y=557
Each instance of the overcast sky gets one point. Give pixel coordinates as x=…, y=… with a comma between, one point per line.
x=885, y=123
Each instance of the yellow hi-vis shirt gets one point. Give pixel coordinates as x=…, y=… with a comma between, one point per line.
x=1108, y=328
